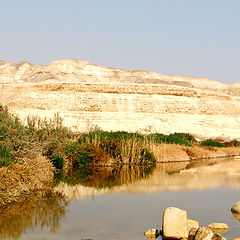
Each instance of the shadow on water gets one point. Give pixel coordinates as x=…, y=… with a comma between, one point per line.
x=104, y=177
x=43, y=209
x=178, y=176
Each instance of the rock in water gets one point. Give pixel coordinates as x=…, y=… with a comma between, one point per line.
x=236, y=207
x=192, y=224
x=219, y=227
x=205, y=233
x=192, y=233
x=174, y=224
x=152, y=233
x=237, y=216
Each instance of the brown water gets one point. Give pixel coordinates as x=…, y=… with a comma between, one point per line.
x=122, y=203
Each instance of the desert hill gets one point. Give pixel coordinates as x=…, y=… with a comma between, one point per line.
x=89, y=96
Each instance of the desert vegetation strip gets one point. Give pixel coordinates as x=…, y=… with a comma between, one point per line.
x=30, y=153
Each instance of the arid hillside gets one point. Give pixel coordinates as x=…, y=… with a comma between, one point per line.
x=89, y=96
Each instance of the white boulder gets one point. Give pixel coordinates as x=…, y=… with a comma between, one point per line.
x=192, y=224
x=174, y=224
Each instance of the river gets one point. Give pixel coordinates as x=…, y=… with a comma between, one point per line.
x=124, y=202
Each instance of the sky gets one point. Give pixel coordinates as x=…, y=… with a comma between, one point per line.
x=198, y=38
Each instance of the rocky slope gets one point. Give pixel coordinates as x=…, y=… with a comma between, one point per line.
x=89, y=96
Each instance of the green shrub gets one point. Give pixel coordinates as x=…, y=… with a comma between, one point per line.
x=175, y=138
x=147, y=156
x=72, y=148
x=235, y=143
x=100, y=135
x=57, y=160
x=6, y=158
x=83, y=158
x=78, y=155
x=212, y=143
x=13, y=134
x=110, y=147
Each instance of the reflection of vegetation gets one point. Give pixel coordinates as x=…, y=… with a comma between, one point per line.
x=173, y=172
x=44, y=210
x=105, y=177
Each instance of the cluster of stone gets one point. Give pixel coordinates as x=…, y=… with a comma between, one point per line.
x=176, y=225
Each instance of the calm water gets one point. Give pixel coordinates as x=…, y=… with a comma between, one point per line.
x=122, y=203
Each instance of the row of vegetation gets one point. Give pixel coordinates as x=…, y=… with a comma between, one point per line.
x=29, y=152
x=64, y=148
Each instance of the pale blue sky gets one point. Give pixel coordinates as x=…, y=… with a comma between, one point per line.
x=184, y=37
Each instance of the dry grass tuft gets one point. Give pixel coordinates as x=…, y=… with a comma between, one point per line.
x=169, y=152
x=20, y=179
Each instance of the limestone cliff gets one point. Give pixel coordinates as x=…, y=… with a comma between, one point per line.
x=87, y=96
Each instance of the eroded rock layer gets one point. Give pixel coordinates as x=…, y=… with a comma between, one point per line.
x=89, y=96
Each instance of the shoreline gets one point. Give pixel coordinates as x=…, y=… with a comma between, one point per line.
x=30, y=153
x=30, y=188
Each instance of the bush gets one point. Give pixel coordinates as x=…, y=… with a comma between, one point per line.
x=212, y=143
x=235, y=143
x=13, y=135
x=57, y=160
x=78, y=155
x=111, y=148
x=147, y=156
x=6, y=158
x=83, y=158
x=99, y=135
x=175, y=138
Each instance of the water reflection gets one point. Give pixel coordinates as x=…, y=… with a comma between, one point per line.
x=42, y=209
x=236, y=215
x=105, y=177
x=171, y=176
x=45, y=210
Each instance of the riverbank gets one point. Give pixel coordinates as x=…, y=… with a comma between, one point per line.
x=36, y=174
x=29, y=154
